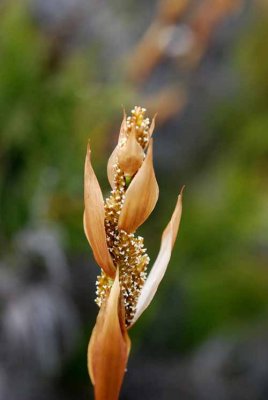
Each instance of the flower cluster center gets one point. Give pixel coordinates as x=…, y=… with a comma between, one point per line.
x=127, y=249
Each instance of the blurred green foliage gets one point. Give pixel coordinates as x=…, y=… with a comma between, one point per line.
x=48, y=110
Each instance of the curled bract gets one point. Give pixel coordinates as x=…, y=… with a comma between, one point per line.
x=130, y=155
x=141, y=196
x=94, y=219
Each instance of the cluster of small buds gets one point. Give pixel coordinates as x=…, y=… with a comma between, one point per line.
x=141, y=124
x=103, y=286
x=127, y=250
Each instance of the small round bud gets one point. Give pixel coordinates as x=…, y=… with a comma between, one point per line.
x=131, y=155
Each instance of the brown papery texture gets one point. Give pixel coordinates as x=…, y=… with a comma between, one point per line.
x=131, y=155
x=113, y=157
x=108, y=348
x=159, y=268
x=141, y=196
x=94, y=219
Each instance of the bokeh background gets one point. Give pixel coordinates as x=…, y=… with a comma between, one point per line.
x=66, y=69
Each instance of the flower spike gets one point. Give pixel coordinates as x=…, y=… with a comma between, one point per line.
x=123, y=289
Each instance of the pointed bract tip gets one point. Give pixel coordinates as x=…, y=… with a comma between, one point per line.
x=124, y=111
x=152, y=126
x=182, y=191
x=88, y=147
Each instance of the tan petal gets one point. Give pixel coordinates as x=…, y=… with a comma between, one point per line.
x=90, y=351
x=108, y=348
x=94, y=219
x=152, y=126
x=111, y=166
x=159, y=268
x=123, y=127
x=85, y=228
x=151, y=130
x=113, y=157
x=141, y=195
x=130, y=155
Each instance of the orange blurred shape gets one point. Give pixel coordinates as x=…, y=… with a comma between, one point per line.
x=202, y=24
x=150, y=50
x=169, y=11
x=167, y=103
x=208, y=15
x=146, y=55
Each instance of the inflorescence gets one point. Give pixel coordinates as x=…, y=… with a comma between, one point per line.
x=127, y=249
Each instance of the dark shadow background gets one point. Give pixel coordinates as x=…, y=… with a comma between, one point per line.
x=66, y=67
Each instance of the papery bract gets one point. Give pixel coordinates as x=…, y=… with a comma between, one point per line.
x=141, y=196
x=159, y=268
x=94, y=219
x=109, y=347
x=130, y=155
